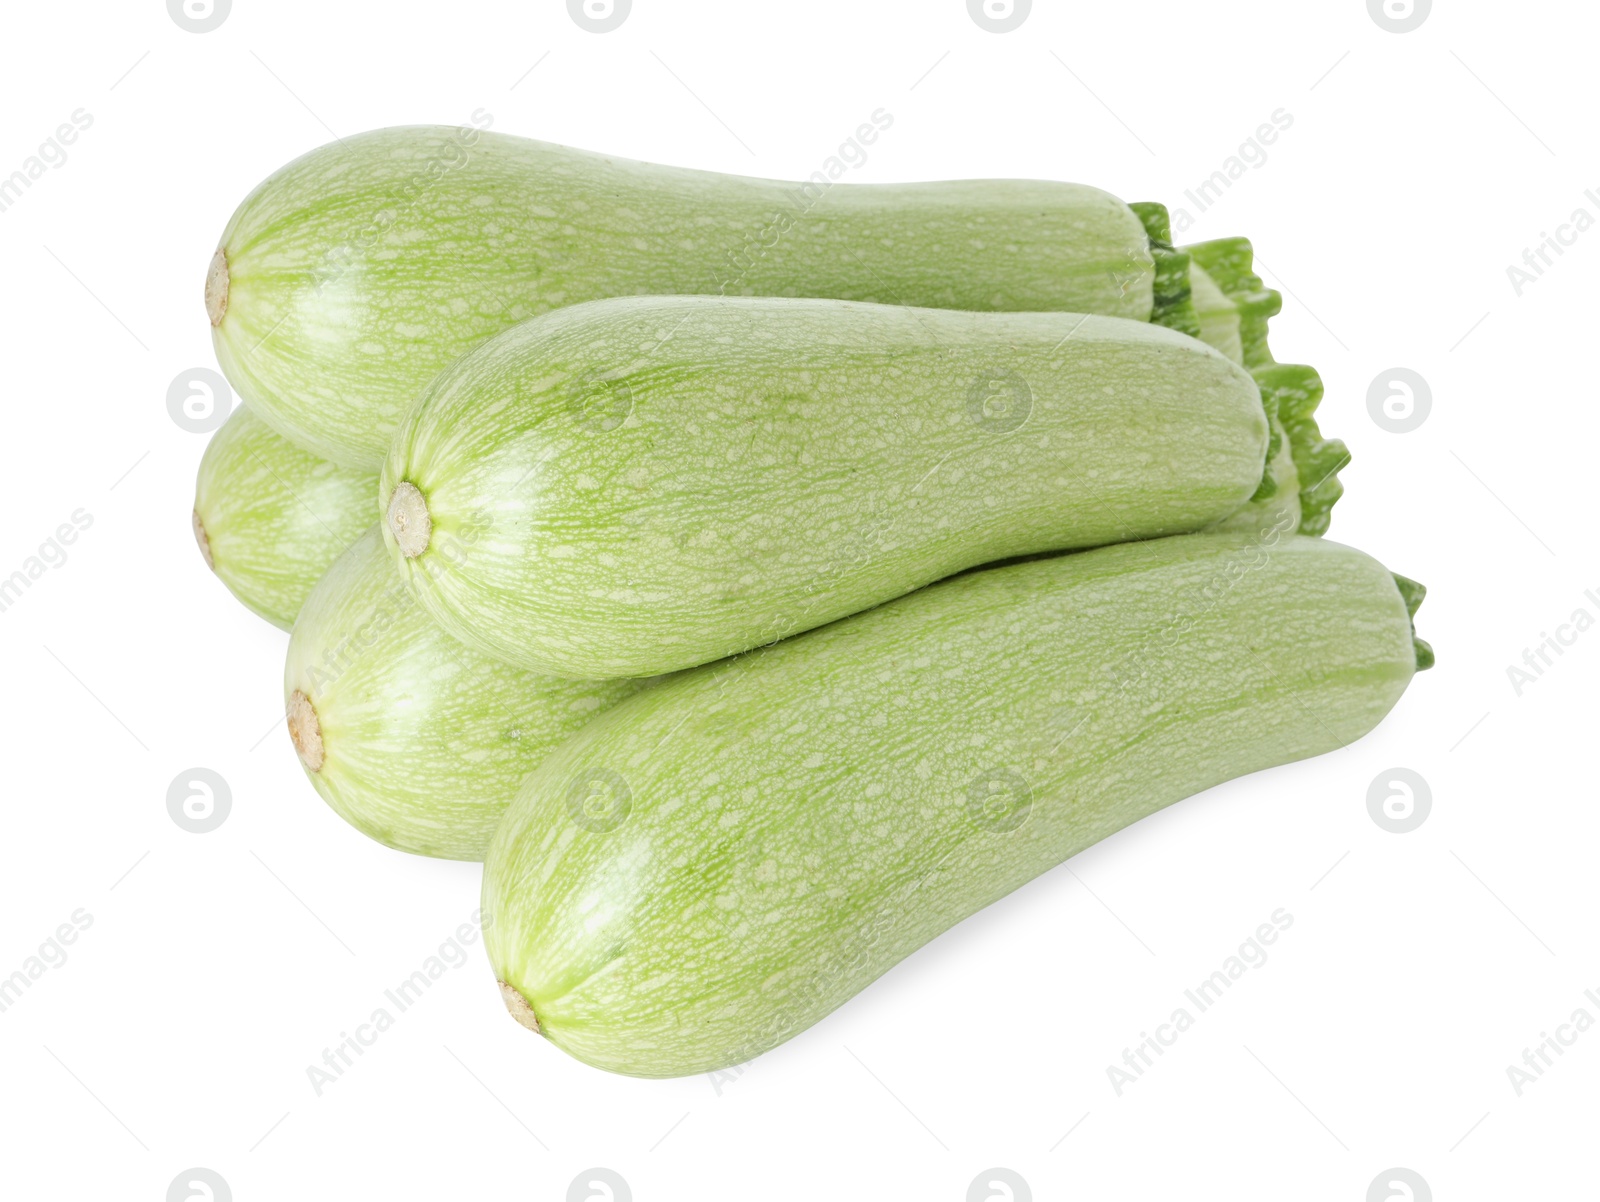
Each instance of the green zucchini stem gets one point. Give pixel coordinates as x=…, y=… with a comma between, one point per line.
x=305, y=731
x=204, y=541
x=1412, y=592
x=1230, y=265
x=518, y=1006
x=1173, y=302
x=217, y=287
x=409, y=519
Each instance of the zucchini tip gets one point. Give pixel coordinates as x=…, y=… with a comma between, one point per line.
x=305, y=731
x=217, y=287
x=204, y=541
x=409, y=519
x=518, y=1006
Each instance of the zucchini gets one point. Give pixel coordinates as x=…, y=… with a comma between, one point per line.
x=788, y=825
x=664, y=481
x=410, y=737
x=352, y=276
x=270, y=518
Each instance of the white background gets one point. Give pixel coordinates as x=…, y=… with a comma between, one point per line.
x=1419, y=966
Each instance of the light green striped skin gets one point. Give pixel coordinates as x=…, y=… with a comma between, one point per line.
x=663, y=481
x=716, y=864
x=360, y=270
x=1279, y=510
x=423, y=742
x=270, y=517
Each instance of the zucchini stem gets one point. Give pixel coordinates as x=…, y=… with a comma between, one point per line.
x=1412, y=592
x=305, y=731
x=204, y=541
x=1230, y=264
x=409, y=519
x=217, y=287
x=1173, y=303
x=518, y=1006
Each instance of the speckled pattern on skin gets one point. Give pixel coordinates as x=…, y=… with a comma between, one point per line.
x=424, y=740
x=274, y=516
x=805, y=816
x=360, y=270
x=668, y=480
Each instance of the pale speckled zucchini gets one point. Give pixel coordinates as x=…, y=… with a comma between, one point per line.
x=717, y=863
x=663, y=481
x=412, y=738
x=353, y=275
x=270, y=518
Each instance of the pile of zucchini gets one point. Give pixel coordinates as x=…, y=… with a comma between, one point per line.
x=760, y=581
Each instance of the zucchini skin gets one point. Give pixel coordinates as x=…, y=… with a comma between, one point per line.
x=270, y=517
x=356, y=273
x=420, y=742
x=663, y=481
x=800, y=819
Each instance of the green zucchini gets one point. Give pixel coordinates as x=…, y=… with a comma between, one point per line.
x=352, y=276
x=716, y=864
x=270, y=518
x=412, y=738
x=663, y=481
